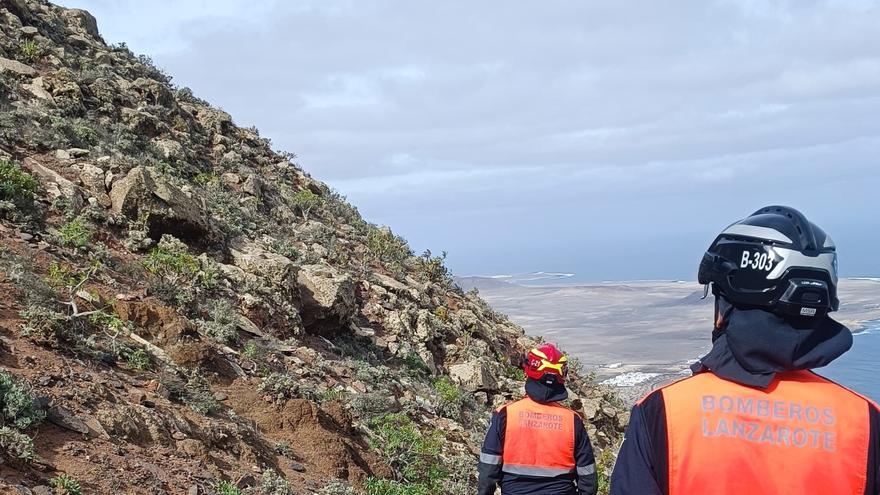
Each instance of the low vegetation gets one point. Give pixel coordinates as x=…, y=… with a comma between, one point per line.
x=76, y=233
x=17, y=186
x=20, y=411
x=222, y=321
x=452, y=401
x=176, y=275
x=66, y=485
x=416, y=456
x=305, y=201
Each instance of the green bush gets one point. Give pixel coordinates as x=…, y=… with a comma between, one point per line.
x=44, y=324
x=452, y=400
x=330, y=395
x=108, y=321
x=30, y=51
x=286, y=249
x=226, y=488
x=284, y=448
x=191, y=388
x=138, y=359
x=16, y=185
x=16, y=444
x=416, y=365
x=375, y=486
x=234, y=218
x=337, y=207
x=370, y=404
x=337, y=487
x=271, y=483
x=171, y=260
x=251, y=351
x=414, y=456
x=434, y=267
x=65, y=485
x=513, y=372
x=383, y=245
x=19, y=410
x=206, y=178
x=17, y=404
x=304, y=201
x=222, y=324
x=177, y=276
x=76, y=233
x=280, y=387
x=604, y=465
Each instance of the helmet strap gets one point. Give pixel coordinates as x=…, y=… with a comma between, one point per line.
x=723, y=309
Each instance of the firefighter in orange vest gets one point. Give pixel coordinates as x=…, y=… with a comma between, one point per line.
x=535, y=446
x=755, y=418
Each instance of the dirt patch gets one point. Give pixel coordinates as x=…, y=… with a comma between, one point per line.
x=321, y=439
x=161, y=324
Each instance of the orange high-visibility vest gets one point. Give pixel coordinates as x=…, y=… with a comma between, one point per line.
x=538, y=439
x=803, y=434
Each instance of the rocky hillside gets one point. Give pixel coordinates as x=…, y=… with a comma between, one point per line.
x=185, y=310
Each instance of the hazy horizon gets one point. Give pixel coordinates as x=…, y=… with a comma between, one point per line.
x=609, y=140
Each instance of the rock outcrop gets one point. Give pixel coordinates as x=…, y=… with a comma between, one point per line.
x=162, y=207
x=328, y=299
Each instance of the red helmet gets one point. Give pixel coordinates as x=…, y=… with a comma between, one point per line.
x=546, y=359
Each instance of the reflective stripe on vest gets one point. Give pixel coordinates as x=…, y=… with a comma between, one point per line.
x=538, y=440
x=803, y=434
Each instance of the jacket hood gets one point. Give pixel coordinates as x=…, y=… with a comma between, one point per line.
x=545, y=393
x=754, y=345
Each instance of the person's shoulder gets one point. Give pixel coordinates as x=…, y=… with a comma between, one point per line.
x=657, y=392
x=843, y=388
x=503, y=407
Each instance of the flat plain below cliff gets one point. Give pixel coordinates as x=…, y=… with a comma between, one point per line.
x=637, y=334
x=184, y=309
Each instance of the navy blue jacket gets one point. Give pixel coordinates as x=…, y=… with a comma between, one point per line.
x=752, y=347
x=583, y=482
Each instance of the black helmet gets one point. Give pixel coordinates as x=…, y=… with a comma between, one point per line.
x=774, y=260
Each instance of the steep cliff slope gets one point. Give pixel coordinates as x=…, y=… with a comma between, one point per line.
x=184, y=310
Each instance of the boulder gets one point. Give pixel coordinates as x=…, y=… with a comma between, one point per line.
x=427, y=326
x=394, y=286
x=278, y=270
x=591, y=407
x=170, y=149
x=153, y=92
x=92, y=177
x=16, y=67
x=328, y=299
x=83, y=20
x=38, y=89
x=78, y=41
x=164, y=208
x=20, y=9
x=473, y=376
x=253, y=186
x=230, y=179
x=142, y=122
x=214, y=120
x=55, y=184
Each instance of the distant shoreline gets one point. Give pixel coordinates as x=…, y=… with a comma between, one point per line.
x=632, y=393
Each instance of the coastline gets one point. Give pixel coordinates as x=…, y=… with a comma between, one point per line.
x=635, y=336
x=631, y=393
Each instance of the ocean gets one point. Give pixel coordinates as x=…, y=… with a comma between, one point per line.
x=858, y=368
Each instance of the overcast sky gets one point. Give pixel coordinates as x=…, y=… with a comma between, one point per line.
x=611, y=139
